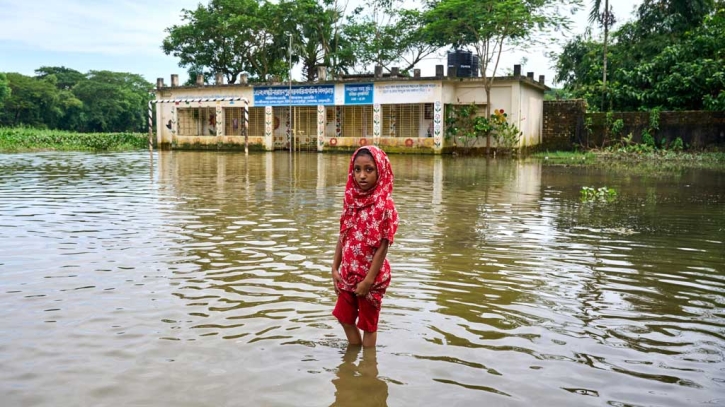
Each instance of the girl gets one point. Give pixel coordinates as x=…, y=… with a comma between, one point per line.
x=360, y=271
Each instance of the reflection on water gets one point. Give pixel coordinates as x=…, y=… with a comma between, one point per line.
x=357, y=382
x=203, y=279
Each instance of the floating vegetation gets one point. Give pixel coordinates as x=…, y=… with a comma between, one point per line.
x=29, y=139
x=590, y=194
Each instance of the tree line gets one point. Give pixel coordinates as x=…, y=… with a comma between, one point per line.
x=65, y=99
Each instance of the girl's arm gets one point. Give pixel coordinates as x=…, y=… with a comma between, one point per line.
x=363, y=287
x=336, y=260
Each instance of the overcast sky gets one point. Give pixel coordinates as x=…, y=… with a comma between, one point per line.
x=126, y=36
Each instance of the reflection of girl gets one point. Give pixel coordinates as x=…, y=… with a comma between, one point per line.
x=360, y=271
x=359, y=385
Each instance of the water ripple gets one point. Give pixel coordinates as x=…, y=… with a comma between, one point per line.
x=178, y=280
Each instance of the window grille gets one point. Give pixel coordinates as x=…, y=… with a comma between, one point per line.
x=305, y=123
x=357, y=121
x=256, y=121
x=401, y=120
x=196, y=121
x=233, y=121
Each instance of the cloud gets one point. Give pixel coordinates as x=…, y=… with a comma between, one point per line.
x=130, y=27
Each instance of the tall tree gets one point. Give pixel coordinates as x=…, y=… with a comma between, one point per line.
x=385, y=33
x=605, y=19
x=489, y=25
x=316, y=41
x=230, y=37
x=66, y=78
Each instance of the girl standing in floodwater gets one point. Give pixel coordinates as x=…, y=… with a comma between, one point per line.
x=360, y=271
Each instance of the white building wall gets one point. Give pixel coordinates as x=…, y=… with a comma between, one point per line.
x=532, y=115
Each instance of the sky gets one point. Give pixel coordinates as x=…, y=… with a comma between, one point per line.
x=126, y=36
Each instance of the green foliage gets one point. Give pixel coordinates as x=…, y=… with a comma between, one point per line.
x=464, y=126
x=670, y=57
x=59, y=99
x=386, y=34
x=28, y=139
x=113, y=101
x=32, y=102
x=4, y=88
x=65, y=78
x=317, y=39
x=677, y=145
x=507, y=135
x=647, y=139
x=602, y=194
x=230, y=37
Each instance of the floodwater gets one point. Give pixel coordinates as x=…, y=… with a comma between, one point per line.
x=203, y=280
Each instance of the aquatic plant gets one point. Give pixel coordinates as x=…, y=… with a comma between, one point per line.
x=14, y=139
x=590, y=194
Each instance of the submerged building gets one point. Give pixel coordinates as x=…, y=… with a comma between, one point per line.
x=399, y=113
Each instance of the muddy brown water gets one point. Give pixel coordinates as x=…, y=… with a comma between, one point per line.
x=203, y=279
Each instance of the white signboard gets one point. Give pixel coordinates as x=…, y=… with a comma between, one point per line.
x=406, y=93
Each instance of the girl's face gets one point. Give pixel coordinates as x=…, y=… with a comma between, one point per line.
x=366, y=173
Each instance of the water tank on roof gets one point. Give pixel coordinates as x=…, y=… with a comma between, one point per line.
x=465, y=62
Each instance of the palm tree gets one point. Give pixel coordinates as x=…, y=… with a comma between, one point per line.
x=605, y=19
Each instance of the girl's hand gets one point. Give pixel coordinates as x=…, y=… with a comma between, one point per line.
x=335, y=280
x=363, y=288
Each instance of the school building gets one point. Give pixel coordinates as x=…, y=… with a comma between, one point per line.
x=400, y=114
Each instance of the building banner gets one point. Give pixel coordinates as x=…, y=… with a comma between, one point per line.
x=301, y=95
x=359, y=94
x=406, y=93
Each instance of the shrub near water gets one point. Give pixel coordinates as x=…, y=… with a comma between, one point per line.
x=29, y=139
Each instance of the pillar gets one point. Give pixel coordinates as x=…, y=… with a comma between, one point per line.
x=321, y=125
x=268, y=128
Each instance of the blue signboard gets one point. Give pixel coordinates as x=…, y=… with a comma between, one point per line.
x=301, y=95
x=359, y=94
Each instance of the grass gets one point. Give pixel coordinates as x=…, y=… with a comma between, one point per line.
x=22, y=139
x=655, y=163
x=566, y=157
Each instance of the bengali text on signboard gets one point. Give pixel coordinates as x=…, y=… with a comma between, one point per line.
x=359, y=94
x=406, y=92
x=301, y=95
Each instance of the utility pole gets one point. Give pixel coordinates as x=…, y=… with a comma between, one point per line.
x=289, y=96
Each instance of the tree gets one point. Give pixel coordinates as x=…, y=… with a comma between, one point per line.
x=389, y=35
x=688, y=75
x=4, y=88
x=658, y=64
x=69, y=113
x=316, y=37
x=114, y=101
x=229, y=37
x=32, y=102
x=605, y=19
x=489, y=25
x=66, y=78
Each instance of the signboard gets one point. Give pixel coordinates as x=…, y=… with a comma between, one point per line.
x=406, y=92
x=301, y=95
x=359, y=94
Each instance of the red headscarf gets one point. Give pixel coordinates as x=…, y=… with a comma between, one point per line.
x=380, y=197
